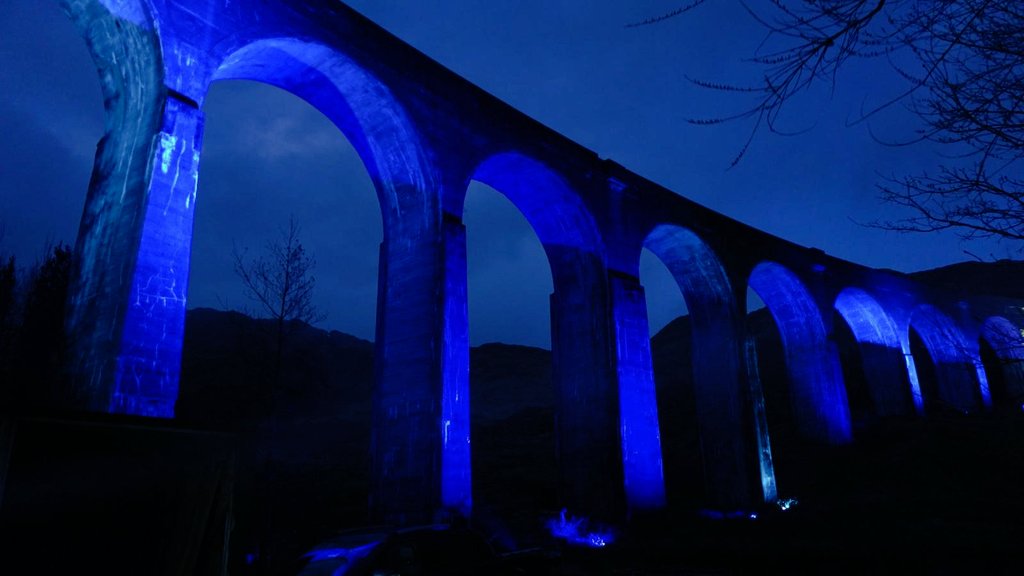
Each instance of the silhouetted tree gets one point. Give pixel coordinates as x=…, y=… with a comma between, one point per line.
x=963, y=63
x=8, y=298
x=42, y=349
x=8, y=283
x=281, y=283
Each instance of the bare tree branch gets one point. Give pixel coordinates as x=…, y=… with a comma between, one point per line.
x=281, y=282
x=963, y=64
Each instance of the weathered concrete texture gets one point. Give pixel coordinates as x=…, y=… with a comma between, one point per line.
x=1006, y=365
x=881, y=355
x=769, y=489
x=638, y=401
x=720, y=388
x=955, y=371
x=817, y=393
x=408, y=431
x=424, y=133
x=587, y=414
x=457, y=482
x=127, y=58
x=149, y=363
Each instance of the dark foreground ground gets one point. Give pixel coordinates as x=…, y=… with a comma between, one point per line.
x=912, y=497
x=942, y=496
x=935, y=495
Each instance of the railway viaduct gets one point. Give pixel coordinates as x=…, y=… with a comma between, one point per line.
x=423, y=134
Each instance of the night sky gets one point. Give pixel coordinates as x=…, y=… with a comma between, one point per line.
x=573, y=65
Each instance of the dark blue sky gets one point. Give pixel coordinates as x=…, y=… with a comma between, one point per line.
x=570, y=64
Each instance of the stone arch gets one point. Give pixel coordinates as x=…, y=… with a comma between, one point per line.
x=1005, y=368
x=420, y=438
x=956, y=386
x=587, y=426
x=718, y=384
x=880, y=351
x=136, y=254
x=361, y=106
x=563, y=224
x=817, y=394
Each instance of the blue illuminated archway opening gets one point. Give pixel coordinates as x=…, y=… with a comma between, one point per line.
x=512, y=421
x=575, y=253
x=387, y=142
x=946, y=374
x=816, y=391
x=669, y=363
x=270, y=158
x=716, y=382
x=362, y=108
x=1002, y=354
x=880, y=354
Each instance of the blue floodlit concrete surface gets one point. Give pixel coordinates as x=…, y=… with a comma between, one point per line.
x=133, y=11
x=146, y=381
x=719, y=382
x=766, y=466
x=1007, y=342
x=423, y=134
x=590, y=456
x=638, y=402
x=880, y=348
x=127, y=57
x=955, y=362
x=816, y=385
x=456, y=467
x=410, y=438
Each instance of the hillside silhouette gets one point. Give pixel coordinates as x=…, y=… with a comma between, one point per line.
x=942, y=481
x=946, y=485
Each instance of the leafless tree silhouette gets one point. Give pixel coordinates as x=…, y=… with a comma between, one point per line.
x=281, y=283
x=963, y=64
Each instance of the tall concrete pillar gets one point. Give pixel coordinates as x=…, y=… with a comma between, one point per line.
x=456, y=469
x=127, y=316
x=587, y=426
x=727, y=412
x=883, y=371
x=759, y=418
x=638, y=402
x=817, y=392
x=420, y=430
x=914, y=380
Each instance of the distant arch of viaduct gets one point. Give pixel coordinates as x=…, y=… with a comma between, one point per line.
x=423, y=134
